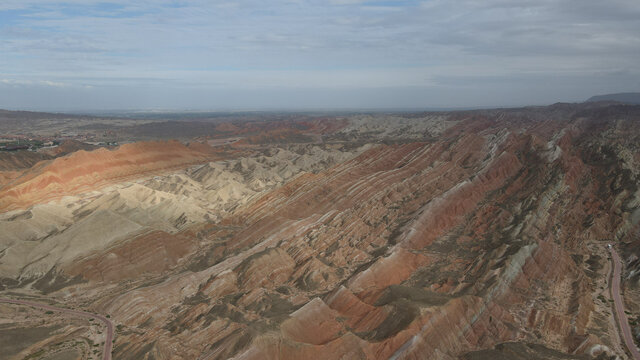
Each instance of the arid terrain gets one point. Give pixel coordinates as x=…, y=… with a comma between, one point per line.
x=435, y=235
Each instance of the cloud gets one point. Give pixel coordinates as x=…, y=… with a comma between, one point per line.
x=340, y=44
x=40, y=83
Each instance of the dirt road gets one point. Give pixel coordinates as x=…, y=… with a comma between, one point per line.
x=619, y=306
x=108, y=342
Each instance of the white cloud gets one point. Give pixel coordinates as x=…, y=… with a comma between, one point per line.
x=339, y=44
x=37, y=83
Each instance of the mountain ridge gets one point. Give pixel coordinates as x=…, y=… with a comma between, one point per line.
x=626, y=98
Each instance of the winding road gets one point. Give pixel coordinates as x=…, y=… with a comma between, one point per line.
x=619, y=305
x=108, y=342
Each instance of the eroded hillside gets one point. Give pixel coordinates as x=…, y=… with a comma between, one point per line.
x=468, y=235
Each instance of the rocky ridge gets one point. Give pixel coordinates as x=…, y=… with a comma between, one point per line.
x=477, y=235
x=56, y=232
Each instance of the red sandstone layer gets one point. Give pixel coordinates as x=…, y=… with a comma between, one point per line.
x=83, y=171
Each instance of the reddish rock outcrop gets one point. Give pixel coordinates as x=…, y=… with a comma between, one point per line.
x=147, y=254
x=486, y=232
x=83, y=171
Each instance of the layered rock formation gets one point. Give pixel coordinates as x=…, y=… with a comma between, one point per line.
x=82, y=171
x=459, y=235
x=49, y=235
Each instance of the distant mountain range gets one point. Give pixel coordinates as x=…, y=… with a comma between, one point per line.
x=628, y=98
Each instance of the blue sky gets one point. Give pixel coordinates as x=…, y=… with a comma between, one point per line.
x=297, y=54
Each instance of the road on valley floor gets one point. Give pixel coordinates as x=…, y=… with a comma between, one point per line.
x=619, y=305
x=108, y=342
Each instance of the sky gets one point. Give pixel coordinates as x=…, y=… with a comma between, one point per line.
x=313, y=54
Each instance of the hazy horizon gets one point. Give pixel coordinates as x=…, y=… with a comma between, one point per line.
x=309, y=55
x=221, y=110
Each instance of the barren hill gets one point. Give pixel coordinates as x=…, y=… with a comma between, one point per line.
x=628, y=98
x=82, y=170
x=460, y=235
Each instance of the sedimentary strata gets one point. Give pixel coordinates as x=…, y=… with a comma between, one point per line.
x=467, y=235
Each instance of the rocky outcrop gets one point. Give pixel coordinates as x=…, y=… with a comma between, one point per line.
x=34, y=241
x=486, y=234
x=160, y=252
x=83, y=171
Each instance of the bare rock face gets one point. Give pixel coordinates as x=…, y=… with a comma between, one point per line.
x=265, y=269
x=82, y=171
x=520, y=351
x=57, y=233
x=162, y=251
x=471, y=235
